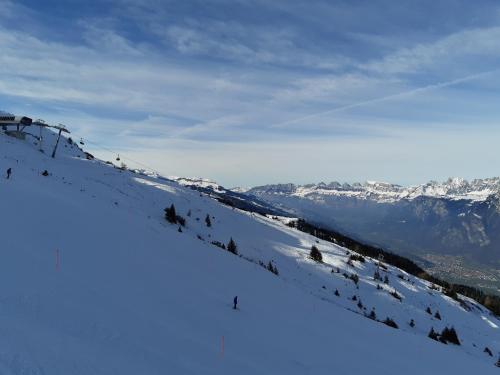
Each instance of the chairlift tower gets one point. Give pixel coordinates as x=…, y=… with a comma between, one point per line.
x=61, y=128
x=41, y=124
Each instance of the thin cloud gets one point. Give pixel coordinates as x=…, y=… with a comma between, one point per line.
x=408, y=93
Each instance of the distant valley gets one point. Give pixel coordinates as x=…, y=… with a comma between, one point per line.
x=451, y=228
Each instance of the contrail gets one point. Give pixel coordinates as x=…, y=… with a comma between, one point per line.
x=389, y=97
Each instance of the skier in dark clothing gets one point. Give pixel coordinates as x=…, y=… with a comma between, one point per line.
x=9, y=171
x=235, y=301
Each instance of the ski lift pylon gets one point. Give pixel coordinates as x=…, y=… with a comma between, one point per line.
x=81, y=141
x=118, y=157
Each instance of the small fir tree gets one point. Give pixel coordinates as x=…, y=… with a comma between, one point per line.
x=316, y=254
x=372, y=315
x=433, y=335
x=208, y=221
x=170, y=214
x=449, y=335
x=231, y=247
x=390, y=322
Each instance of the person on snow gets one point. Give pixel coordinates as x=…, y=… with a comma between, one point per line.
x=235, y=301
x=9, y=172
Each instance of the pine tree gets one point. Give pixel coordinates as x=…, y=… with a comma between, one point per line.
x=412, y=323
x=170, y=214
x=449, y=335
x=207, y=221
x=275, y=271
x=337, y=293
x=231, y=247
x=316, y=254
x=391, y=323
x=428, y=310
x=433, y=335
x=270, y=267
x=372, y=315
x=437, y=315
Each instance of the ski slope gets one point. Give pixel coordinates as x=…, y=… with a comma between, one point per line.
x=94, y=280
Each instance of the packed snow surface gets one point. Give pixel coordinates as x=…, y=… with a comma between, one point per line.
x=94, y=280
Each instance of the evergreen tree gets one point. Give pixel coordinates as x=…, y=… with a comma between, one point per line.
x=275, y=271
x=316, y=254
x=488, y=351
x=207, y=221
x=437, y=315
x=179, y=230
x=270, y=267
x=170, y=214
x=386, y=279
x=372, y=315
x=231, y=247
x=433, y=335
x=449, y=335
x=428, y=310
x=391, y=323
x=337, y=293
x=412, y=323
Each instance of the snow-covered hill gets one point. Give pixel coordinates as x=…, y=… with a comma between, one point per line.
x=94, y=280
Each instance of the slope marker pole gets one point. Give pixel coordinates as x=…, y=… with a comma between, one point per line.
x=222, y=347
x=58, y=260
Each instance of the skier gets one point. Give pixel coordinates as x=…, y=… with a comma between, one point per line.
x=9, y=171
x=235, y=301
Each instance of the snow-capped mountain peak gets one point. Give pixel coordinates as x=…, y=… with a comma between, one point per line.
x=453, y=188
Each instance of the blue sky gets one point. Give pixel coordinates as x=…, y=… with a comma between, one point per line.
x=253, y=92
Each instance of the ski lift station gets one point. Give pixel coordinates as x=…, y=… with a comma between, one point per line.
x=15, y=126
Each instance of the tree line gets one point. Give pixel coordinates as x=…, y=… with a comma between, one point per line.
x=492, y=302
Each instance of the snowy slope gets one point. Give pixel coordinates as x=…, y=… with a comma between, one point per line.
x=93, y=280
